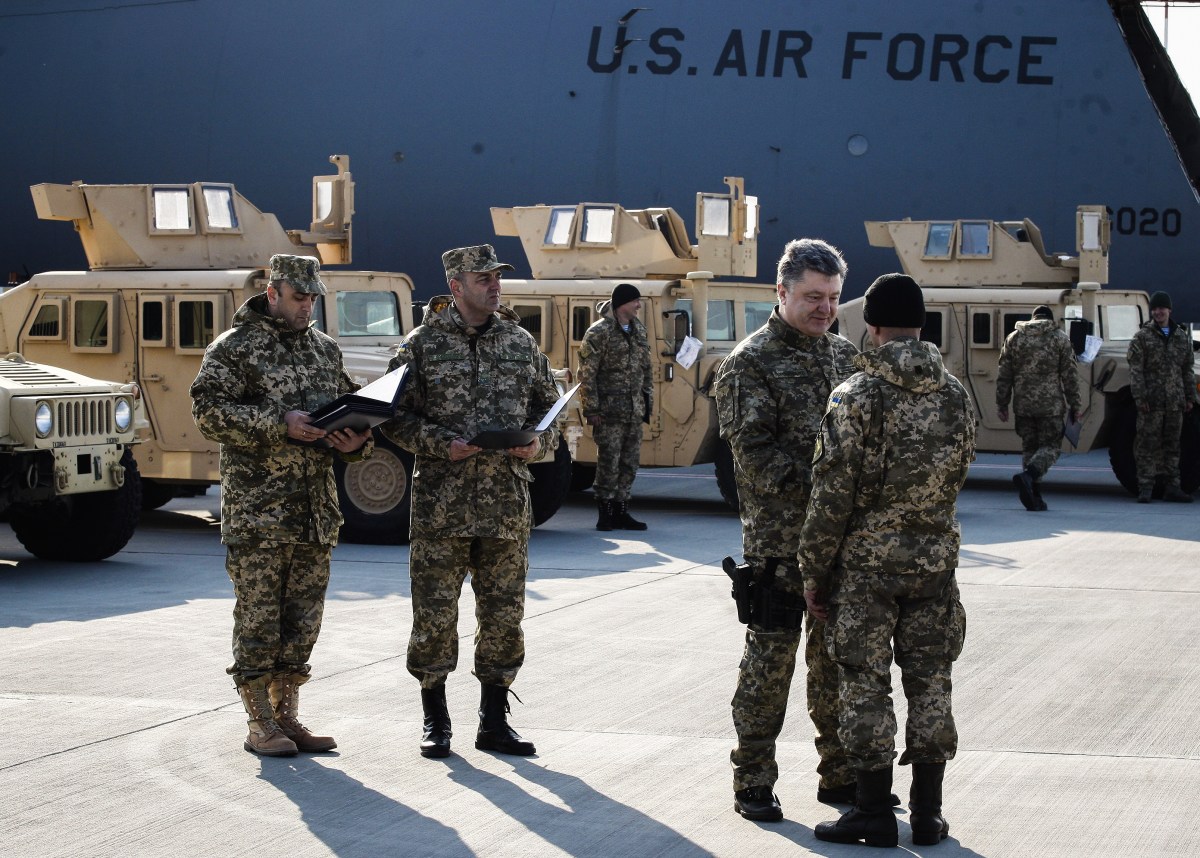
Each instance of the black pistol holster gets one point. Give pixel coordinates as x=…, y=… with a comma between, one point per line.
x=758, y=602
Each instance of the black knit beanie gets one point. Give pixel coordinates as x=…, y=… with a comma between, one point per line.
x=1160, y=299
x=894, y=301
x=1043, y=312
x=624, y=293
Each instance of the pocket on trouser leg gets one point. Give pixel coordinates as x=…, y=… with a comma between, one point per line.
x=956, y=634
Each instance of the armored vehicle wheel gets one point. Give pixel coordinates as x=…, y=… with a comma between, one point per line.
x=83, y=528
x=726, y=482
x=156, y=494
x=375, y=495
x=582, y=477
x=551, y=482
x=1120, y=451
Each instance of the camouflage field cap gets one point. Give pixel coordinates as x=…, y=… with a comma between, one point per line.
x=303, y=272
x=481, y=257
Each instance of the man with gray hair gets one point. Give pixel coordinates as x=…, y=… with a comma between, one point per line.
x=771, y=392
x=256, y=387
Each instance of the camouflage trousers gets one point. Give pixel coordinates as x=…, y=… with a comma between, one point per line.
x=1041, y=441
x=760, y=705
x=618, y=452
x=279, y=591
x=438, y=568
x=1156, y=446
x=922, y=616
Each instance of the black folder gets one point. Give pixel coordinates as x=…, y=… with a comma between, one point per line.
x=502, y=439
x=360, y=411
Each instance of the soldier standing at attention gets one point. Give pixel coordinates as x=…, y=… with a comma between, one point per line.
x=279, y=510
x=1037, y=371
x=770, y=392
x=617, y=390
x=1162, y=378
x=471, y=367
x=878, y=551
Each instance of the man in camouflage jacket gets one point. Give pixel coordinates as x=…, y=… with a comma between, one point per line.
x=1162, y=378
x=770, y=393
x=1037, y=371
x=878, y=551
x=279, y=510
x=617, y=390
x=471, y=368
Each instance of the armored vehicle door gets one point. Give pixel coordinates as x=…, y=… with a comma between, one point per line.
x=986, y=328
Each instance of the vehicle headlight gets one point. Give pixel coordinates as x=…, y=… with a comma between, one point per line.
x=43, y=419
x=123, y=415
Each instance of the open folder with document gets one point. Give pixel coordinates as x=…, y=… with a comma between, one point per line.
x=360, y=411
x=502, y=439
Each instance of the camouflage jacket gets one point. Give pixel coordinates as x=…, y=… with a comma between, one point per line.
x=771, y=392
x=892, y=455
x=251, y=376
x=614, y=369
x=1037, y=371
x=1162, y=370
x=461, y=382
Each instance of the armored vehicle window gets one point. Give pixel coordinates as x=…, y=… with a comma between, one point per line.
x=720, y=318
x=599, y=225
x=757, y=313
x=197, y=322
x=172, y=209
x=154, y=321
x=368, y=314
x=47, y=322
x=1121, y=321
x=975, y=239
x=558, y=233
x=581, y=320
x=933, y=332
x=531, y=320
x=981, y=330
x=714, y=215
x=91, y=331
x=219, y=213
x=937, y=240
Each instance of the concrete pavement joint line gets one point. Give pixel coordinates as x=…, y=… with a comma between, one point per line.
x=1072, y=589
x=662, y=577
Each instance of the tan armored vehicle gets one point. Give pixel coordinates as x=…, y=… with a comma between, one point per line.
x=981, y=277
x=68, y=481
x=579, y=252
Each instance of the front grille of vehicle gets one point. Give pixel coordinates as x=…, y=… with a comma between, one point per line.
x=83, y=418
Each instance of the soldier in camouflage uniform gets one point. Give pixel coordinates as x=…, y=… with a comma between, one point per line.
x=1037, y=371
x=770, y=394
x=1162, y=378
x=279, y=512
x=616, y=389
x=471, y=368
x=878, y=551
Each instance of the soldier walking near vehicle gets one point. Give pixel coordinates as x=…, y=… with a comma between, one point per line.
x=1037, y=371
x=878, y=551
x=617, y=390
x=1162, y=379
x=471, y=367
x=771, y=392
x=257, y=384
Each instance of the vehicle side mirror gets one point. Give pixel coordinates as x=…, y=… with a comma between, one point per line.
x=677, y=326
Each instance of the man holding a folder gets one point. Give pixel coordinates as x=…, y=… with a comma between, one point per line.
x=476, y=385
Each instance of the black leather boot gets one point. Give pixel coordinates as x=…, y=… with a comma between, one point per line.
x=435, y=741
x=846, y=794
x=622, y=520
x=1039, y=503
x=758, y=803
x=929, y=827
x=494, y=733
x=870, y=821
x=605, y=520
x=1024, y=483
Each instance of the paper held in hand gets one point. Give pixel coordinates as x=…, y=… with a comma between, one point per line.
x=360, y=411
x=502, y=439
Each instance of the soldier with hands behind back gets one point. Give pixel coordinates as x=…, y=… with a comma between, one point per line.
x=1037, y=372
x=616, y=388
x=770, y=394
x=878, y=552
x=257, y=384
x=471, y=368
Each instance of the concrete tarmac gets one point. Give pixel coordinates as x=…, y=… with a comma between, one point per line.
x=1076, y=695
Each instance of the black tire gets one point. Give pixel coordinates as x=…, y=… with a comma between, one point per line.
x=156, y=494
x=551, y=482
x=376, y=495
x=583, y=477
x=83, y=528
x=1124, y=465
x=726, y=482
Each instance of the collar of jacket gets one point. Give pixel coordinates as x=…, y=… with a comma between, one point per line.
x=795, y=339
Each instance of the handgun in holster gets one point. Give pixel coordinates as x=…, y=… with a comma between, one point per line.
x=758, y=601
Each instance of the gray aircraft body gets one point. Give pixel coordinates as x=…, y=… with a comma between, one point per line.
x=834, y=113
